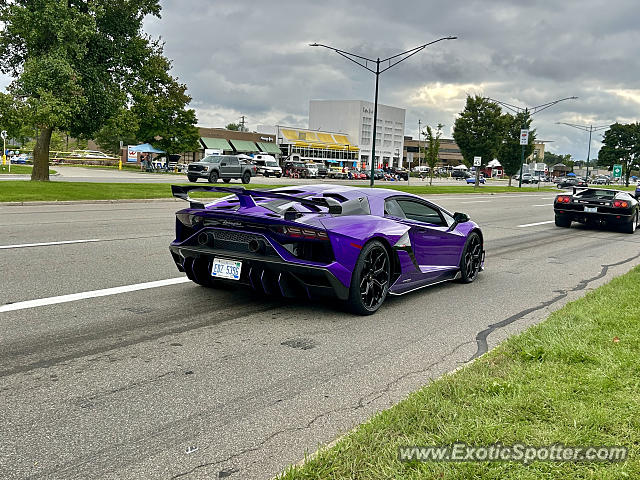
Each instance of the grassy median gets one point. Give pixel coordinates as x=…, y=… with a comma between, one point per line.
x=574, y=380
x=26, y=191
x=19, y=170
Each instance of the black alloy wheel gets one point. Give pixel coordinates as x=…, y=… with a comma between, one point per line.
x=370, y=280
x=471, y=259
x=192, y=179
x=246, y=177
x=213, y=177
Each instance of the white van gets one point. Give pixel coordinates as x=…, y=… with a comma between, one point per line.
x=267, y=165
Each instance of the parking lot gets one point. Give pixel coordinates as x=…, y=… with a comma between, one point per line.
x=142, y=374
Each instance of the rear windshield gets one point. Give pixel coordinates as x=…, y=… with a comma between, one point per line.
x=599, y=194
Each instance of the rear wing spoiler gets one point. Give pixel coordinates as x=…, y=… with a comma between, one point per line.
x=246, y=197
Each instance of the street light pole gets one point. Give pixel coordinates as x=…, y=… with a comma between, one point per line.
x=364, y=63
x=528, y=111
x=586, y=128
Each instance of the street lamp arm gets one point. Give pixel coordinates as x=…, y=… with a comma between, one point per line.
x=409, y=53
x=342, y=52
x=513, y=108
x=544, y=106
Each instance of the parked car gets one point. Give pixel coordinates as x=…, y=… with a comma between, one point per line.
x=296, y=169
x=298, y=243
x=529, y=178
x=337, y=172
x=401, y=173
x=460, y=174
x=319, y=170
x=472, y=180
x=356, y=174
x=598, y=206
x=92, y=154
x=267, y=165
x=226, y=167
x=572, y=182
x=601, y=180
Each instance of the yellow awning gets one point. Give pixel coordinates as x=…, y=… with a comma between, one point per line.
x=341, y=138
x=301, y=144
x=335, y=146
x=318, y=145
x=326, y=138
x=309, y=136
x=290, y=134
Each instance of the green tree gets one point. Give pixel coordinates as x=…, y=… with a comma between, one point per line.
x=233, y=126
x=510, y=151
x=160, y=105
x=122, y=127
x=478, y=130
x=73, y=62
x=432, y=152
x=621, y=145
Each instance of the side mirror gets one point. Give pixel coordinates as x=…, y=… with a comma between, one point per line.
x=458, y=218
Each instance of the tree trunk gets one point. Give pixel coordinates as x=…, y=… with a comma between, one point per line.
x=40, y=170
x=431, y=178
x=510, y=178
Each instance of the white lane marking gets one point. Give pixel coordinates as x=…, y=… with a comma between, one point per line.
x=534, y=224
x=478, y=201
x=544, y=205
x=46, y=244
x=91, y=294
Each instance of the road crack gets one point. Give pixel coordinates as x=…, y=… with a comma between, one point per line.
x=481, y=337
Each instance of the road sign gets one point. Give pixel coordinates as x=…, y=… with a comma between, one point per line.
x=524, y=136
x=617, y=171
x=132, y=156
x=477, y=161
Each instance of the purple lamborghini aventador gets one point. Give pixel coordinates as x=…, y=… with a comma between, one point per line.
x=356, y=244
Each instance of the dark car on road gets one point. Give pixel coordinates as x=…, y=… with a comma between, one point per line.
x=572, y=182
x=400, y=173
x=597, y=206
x=460, y=174
x=226, y=167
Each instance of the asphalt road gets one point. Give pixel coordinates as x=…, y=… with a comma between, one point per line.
x=178, y=381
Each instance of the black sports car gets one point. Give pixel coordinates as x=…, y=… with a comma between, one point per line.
x=600, y=206
x=572, y=182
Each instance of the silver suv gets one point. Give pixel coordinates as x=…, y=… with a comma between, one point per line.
x=226, y=167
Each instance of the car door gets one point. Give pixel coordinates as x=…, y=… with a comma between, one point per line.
x=234, y=167
x=436, y=249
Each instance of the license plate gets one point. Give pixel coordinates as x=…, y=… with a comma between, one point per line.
x=591, y=209
x=223, y=268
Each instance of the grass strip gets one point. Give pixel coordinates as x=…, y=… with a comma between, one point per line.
x=25, y=191
x=19, y=170
x=573, y=379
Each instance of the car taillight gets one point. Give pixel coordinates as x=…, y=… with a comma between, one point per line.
x=563, y=199
x=300, y=232
x=621, y=204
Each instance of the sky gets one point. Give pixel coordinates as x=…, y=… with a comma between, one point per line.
x=252, y=58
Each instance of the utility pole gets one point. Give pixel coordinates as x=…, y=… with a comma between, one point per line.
x=419, y=137
x=586, y=128
x=242, y=129
x=388, y=63
x=528, y=111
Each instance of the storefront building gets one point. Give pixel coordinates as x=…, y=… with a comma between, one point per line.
x=355, y=119
x=449, y=154
x=317, y=146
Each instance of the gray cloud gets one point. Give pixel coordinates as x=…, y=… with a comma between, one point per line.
x=252, y=58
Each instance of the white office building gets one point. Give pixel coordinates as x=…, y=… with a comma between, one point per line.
x=355, y=118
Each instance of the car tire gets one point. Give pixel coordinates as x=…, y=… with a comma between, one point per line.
x=226, y=180
x=471, y=258
x=562, y=221
x=265, y=174
x=631, y=226
x=246, y=177
x=213, y=177
x=278, y=175
x=192, y=179
x=370, y=279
